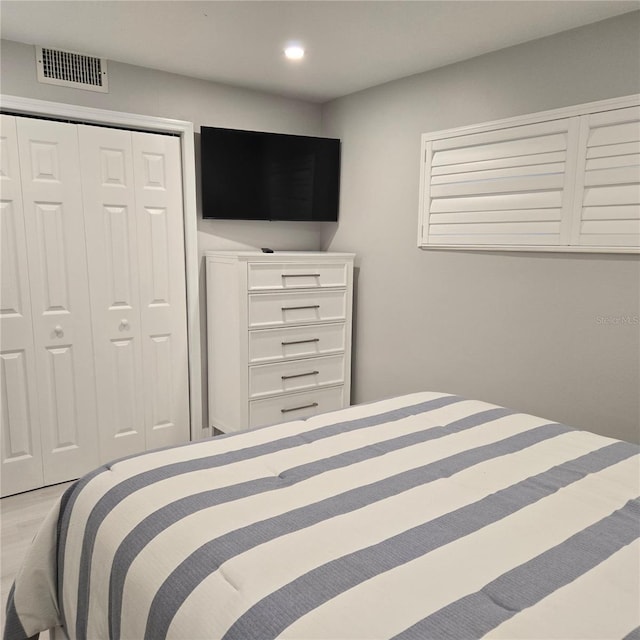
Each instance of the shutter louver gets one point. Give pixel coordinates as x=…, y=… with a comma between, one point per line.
x=608, y=185
x=501, y=187
x=560, y=180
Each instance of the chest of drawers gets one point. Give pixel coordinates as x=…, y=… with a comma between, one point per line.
x=278, y=335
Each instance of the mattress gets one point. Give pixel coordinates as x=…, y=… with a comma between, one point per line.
x=422, y=516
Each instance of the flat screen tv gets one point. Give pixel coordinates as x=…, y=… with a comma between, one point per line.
x=250, y=175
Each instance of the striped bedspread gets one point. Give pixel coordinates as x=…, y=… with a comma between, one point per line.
x=424, y=516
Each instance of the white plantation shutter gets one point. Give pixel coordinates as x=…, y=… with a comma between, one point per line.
x=608, y=186
x=502, y=187
x=542, y=181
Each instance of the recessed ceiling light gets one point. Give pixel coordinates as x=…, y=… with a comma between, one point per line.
x=294, y=52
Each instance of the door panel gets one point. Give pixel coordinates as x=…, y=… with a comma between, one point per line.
x=62, y=401
x=18, y=442
x=161, y=382
x=54, y=224
x=158, y=193
x=123, y=370
x=112, y=245
x=49, y=221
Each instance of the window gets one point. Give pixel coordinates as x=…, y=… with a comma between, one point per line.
x=563, y=180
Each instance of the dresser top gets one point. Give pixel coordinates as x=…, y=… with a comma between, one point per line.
x=280, y=255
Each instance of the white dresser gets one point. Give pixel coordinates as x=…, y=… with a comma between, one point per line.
x=279, y=336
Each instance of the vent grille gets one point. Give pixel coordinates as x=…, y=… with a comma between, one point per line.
x=70, y=69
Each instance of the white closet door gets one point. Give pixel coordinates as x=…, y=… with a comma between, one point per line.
x=20, y=424
x=54, y=225
x=158, y=196
x=608, y=182
x=109, y=203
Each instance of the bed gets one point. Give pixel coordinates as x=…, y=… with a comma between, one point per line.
x=422, y=516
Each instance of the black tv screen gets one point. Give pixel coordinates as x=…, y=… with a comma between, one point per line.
x=250, y=175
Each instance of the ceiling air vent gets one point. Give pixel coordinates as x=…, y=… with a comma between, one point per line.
x=70, y=69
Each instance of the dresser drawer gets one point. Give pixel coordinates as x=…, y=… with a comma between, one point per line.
x=295, y=375
x=264, y=275
x=268, y=345
x=278, y=309
x=295, y=406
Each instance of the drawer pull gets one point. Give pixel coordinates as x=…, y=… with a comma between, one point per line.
x=284, y=344
x=300, y=275
x=301, y=375
x=309, y=306
x=304, y=406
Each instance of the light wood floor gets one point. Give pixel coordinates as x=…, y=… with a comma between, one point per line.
x=21, y=516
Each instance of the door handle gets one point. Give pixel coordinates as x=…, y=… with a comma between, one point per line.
x=301, y=375
x=300, y=275
x=58, y=331
x=308, y=306
x=304, y=406
x=284, y=344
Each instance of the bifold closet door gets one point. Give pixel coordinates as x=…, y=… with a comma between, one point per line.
x=57, y=267
x=109, y=204
x=20, y=423
x=133, y=216
x=158, y=196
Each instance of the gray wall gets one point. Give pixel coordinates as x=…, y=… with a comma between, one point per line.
x=154, y=93
x=537, y=332
x=542, y=333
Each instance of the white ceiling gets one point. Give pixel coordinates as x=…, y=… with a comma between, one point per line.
x=351, y=45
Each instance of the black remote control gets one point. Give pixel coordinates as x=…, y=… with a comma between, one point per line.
x=267, y=250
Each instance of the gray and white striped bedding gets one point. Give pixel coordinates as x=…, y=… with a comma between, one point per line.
x=424, y=516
